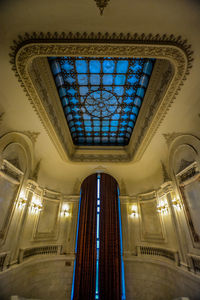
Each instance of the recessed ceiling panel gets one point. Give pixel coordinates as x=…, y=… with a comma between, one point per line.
x=101, y=96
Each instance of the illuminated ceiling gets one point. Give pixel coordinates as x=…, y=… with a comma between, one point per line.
x=171, y=59
x=101, y=97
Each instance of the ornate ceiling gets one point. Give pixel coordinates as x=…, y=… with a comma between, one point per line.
x=162, y=30
x=173, y=57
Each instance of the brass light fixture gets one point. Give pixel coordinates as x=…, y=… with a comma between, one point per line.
x=36, y=204
x=65, y=212
x=133, y=211
x=162, y=206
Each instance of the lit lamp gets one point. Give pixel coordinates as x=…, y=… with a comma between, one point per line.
x=162, y=207
x=36, y=204
x=176, y=204
x=133, y=211
x=65, y=212
x=22, y=200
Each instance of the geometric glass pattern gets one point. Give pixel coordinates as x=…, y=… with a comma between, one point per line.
x=101, y=96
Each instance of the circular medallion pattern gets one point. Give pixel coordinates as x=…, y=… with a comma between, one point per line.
x=101, y=103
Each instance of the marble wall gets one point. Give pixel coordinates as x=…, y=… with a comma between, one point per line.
x=150, y=280
x=41, y=278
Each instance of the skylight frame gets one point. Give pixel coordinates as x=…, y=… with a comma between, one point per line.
x=29, y=62
x=83, y=81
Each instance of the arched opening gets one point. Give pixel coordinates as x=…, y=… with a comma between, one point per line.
x=98, y=272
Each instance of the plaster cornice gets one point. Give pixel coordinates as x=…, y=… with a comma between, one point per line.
x=170, y=49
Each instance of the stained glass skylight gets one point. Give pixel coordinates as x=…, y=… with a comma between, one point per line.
x=101, y=96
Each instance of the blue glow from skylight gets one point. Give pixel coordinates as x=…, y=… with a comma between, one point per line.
x=97, y=238
x=103, y=89
x=121, y=252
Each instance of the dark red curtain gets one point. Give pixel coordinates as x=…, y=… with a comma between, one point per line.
x=85, y=273
x=109, y=255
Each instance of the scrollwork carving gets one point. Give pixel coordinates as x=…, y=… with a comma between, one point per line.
x=169, y=137
x=32, y=135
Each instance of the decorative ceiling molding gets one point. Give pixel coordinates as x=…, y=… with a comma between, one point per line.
x=174, y=60
x=169, y=137
x=101, y=4
x=32, y=135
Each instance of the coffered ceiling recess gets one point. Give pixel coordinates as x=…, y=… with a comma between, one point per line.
x=172, y=60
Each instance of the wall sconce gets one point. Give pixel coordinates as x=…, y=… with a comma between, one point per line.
x=36, y=204
x=176, y=204
x=162, y=207
x=65, y=212
x=22, y=200
x=133, y=211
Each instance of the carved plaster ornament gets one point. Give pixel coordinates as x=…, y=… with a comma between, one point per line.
x=36, y=171
x=101, y=4
x=100, y=169
x=169, y=137
x=32, y=135
x=173, y=62
x=165, y=173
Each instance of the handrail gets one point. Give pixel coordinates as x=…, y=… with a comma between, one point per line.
x=41, y=250
x=154, y=251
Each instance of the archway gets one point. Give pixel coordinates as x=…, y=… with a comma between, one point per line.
x=99, y=266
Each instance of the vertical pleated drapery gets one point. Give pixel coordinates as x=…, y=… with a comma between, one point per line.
x=110, y=286
x=85, y=272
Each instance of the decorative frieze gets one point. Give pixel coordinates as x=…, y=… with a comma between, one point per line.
x=189, y=173
x=101, y=4
x=9, y=171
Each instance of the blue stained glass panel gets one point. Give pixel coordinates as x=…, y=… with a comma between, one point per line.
x=82, y=79
x=95, y=66
x=132, y=79
x=101, y=96
x=122, y=66
x=108, y=66
x=120, y=79
x=81, y=66
x=95, y=79
x=107, y=79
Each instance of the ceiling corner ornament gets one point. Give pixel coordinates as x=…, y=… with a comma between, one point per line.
x=101, y=4
x=166, y=177
x=169, y=137
x=28, y=59
x=32, y=135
